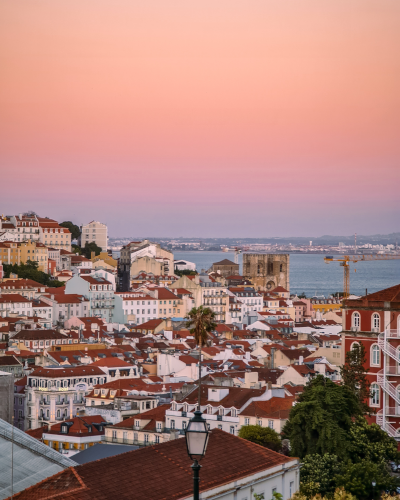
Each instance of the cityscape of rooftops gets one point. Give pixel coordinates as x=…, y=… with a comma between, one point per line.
x=200, y=250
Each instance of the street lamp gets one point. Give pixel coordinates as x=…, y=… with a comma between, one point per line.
x=373, y=488
x=197, y=435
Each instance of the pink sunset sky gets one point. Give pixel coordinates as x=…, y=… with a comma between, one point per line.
x=227, y=118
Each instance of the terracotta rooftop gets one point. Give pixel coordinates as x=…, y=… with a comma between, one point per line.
x=158, y=472
x=275, y=408
x=157, y=413
x=75, y=371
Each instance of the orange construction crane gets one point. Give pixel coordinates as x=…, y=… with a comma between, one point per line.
x=346, y=259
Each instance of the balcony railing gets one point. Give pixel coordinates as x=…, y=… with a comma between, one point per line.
x=135, y=442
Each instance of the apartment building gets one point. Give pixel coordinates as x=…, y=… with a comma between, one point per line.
x=38, y=340
x=35, y=252
x=374, y=321
x=53, y=235
x=133, y=307
x=10, y=253
x=15, y=304
x=56, y=394
x=144, y=429
x=251, y=300
x=65, y=306
x=74, y=435
x=97, y=290
x=24, y=226
x=94, y=232
x=221, y=406
x=145, y=256
x=214, y=296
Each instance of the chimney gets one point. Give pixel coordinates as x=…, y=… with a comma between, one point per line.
x=301, y=360
x=273, y=349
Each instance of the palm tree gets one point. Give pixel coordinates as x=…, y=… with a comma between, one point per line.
x=200, y=321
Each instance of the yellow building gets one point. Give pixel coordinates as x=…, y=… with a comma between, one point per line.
x=35, y=252
x=326, y=305
x=9, y=253
x=104, y=260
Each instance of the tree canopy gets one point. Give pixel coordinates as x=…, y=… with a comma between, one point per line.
x=354, y=372
x=328, y=431
x=89, y=248
x=200, y=321
x=321, y=420
x=30, y=271
x=74, y=229
x=263, y=436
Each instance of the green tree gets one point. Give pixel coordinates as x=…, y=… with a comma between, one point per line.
x=89, y=248
x=354, y=372
x=200, y=321
x=263, y=436
x=321, y=420
x=370, y=442
x=30, y=271
x=185, y=272
x=356, y=478
x=74, y=229
x=76, y=249
x=318, y=474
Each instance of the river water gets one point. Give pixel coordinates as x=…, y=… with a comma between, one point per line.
x=310, y=274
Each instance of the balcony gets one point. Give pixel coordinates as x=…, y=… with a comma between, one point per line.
x=134, y=442
x=44, y=403
x=59, y=403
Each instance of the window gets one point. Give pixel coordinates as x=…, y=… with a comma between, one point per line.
x=232, y=429
x=259, y=422
x=271, y=424
x=375, y=355
x=246, y=421
x=375, y=321
x=356, y=320
x=172, y=424
x=374, y=401
x=146, y=438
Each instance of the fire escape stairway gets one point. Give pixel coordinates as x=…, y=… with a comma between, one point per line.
x=384, y=425
x=384, y=383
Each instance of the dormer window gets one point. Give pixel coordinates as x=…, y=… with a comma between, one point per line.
x=221, y=411
x=64, y=429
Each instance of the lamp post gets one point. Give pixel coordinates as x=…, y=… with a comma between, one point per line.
x=373, y=488
x=197, y=435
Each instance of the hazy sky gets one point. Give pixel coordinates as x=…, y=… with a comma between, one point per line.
x=208, y=118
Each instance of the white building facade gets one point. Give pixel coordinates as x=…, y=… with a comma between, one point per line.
x=95, y=232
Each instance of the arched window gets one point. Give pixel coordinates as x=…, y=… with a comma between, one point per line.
x=374, y=401
x=58, y=414
x=375, y=355
x=376, y=321
x=356, y=320
x=353, y=345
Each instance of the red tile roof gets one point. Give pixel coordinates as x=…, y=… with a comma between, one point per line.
x=156, y=414
x=75, y=371
x=158, y=472
x=275, y=408
x=112, y=362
